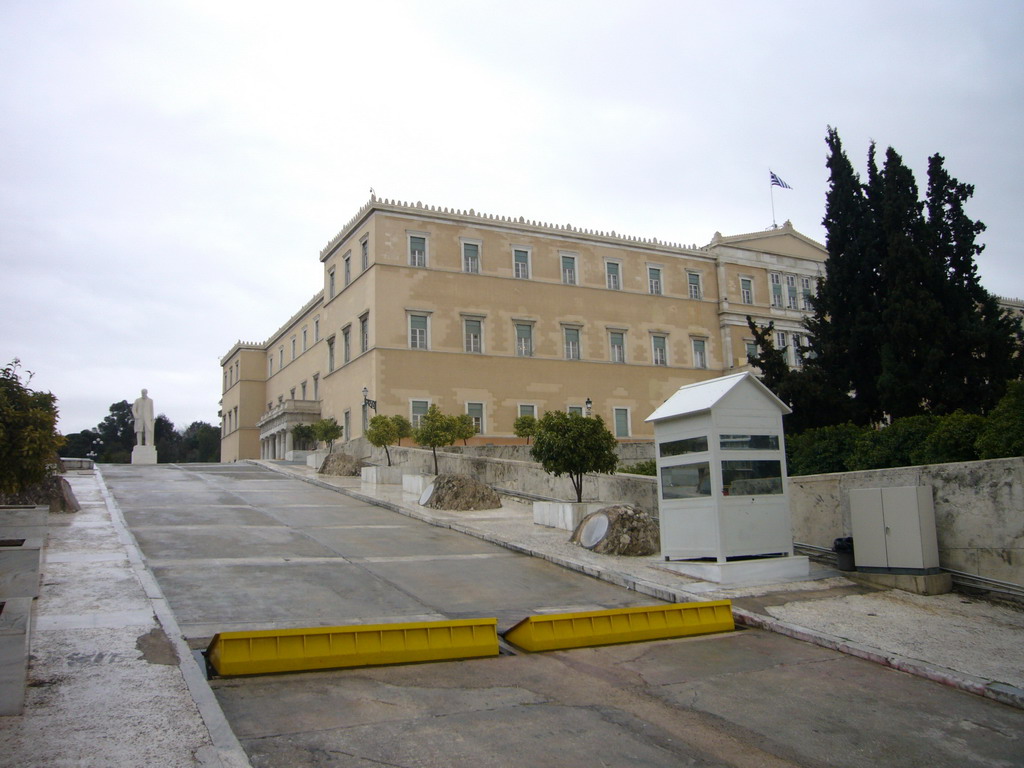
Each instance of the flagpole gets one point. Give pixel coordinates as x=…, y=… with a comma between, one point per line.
x=771, y=188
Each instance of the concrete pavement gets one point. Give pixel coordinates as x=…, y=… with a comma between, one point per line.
x=112, y=682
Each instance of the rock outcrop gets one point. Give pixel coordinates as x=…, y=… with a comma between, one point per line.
x=341, y=464
x=461, y=492
x=619, y=530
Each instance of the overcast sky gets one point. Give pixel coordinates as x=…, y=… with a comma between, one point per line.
x=170, y=170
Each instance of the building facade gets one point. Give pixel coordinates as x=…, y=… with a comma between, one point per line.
x=499, y=317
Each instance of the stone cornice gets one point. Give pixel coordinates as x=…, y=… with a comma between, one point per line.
x=785, y=229
x=317, y=298
x=238, y=345
x=521, y=224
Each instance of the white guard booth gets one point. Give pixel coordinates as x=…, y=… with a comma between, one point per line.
x=723, y=497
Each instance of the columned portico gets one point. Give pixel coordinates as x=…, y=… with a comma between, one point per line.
x=276, y=426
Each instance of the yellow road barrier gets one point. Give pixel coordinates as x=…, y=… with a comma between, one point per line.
x=294, y=650
x=621, y=625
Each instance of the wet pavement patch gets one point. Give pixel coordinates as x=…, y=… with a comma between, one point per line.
x=156, y=648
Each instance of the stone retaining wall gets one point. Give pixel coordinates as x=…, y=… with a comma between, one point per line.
x=979, y=511
x=979, y=505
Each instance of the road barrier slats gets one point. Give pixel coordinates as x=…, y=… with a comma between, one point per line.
x=621, y=625
x=294, y=650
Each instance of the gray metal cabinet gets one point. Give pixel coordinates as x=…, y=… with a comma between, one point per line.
x=894, y=529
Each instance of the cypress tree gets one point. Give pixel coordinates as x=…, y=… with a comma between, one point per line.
x=983, y=348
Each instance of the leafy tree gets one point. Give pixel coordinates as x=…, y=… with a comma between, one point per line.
x=117, y=434
x=953, y=439
x=328, y=430
x=167, y=440
x=303, y=436
x=436, y=430
x=823, y=449
x=80, y=444
x=28, y=431
x=200, y=442
x=571, y=444
x=1003, y=434
x=464, y=427
x=382, y=432
x=525, y=426
x=404, y=427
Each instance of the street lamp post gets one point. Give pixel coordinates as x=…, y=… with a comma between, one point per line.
x=590, y=406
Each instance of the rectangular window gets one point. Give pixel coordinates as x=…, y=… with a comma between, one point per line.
x=316, y=329
x=577, y=409
x=291, y=393
x=805, y=290
x=693, y=280
x=612, y=271
x=476, y=413
x=419, y=410
x=526, y=409
x=347, y=428
x=364, y=251
x=700, y=354
x=521, y=264
x=622, y=422
x=280, y=357
x=330, y=354
x=417, y=331
x=524, y=340
x=795, y=351
x=572, y=343
x=684, y=446
x=303, y=385
x=346, y=343
x=617, y=342
x=316, y=386
x=748, y=442
x=348, y=268
x=686, y=481
x=305, y=340
x=364, y=333
x=270, y=365
x=780, y=341
x=751, y=478
x=776, y=281
x=471, y=258
x=569, y=270
x=791, y=291
x=654, y=280
x=746, y=290
x=293, y=347
x=659, y=350
x=330, y=283
x=474, y=337
x=417, y=251
x=751, y=349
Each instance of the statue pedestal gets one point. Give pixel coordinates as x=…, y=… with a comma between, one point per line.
x=144, y=454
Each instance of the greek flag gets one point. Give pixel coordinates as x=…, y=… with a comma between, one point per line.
x=777, y=182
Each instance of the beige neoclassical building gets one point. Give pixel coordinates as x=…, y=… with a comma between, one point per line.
x=498, y=317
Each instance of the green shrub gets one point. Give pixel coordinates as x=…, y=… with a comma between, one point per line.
x=825, y=449
x=953, y=439
x=648, y=467
x=1003, y=434
x=893, y=445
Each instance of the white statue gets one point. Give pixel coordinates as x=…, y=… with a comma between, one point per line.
x=142, y=412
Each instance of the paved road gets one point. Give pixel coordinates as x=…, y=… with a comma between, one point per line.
x=238, y=546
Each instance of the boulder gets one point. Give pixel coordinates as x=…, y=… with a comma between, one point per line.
x=621, y=529
x=461, y=492
x=342, y=464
